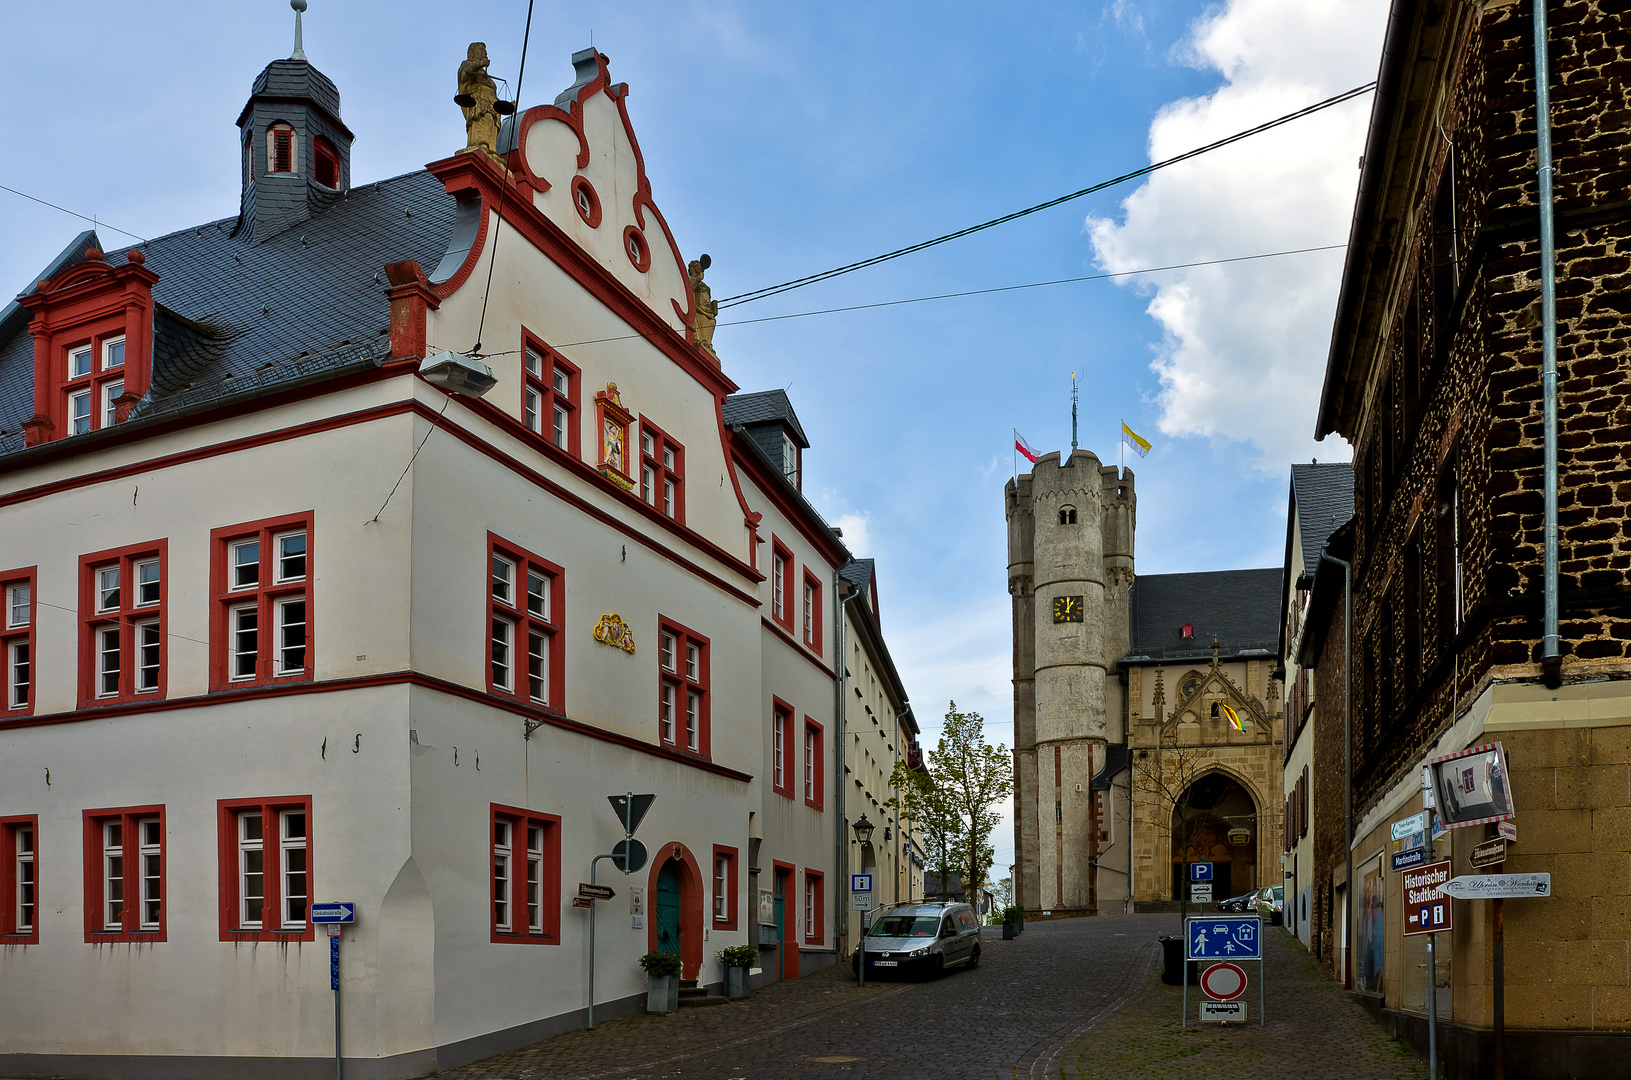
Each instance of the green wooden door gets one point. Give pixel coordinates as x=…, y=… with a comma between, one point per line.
x=781, y=924
x=668, y=911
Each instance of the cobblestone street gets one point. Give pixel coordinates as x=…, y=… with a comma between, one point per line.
x=1073, y=998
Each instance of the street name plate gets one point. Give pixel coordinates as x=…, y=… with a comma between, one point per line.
x=1508, y=830
x=339, y=912
x=1489, y=853
x=1404, y=860
x=1499, y=886
x=1223, y=1012
x=595, y=892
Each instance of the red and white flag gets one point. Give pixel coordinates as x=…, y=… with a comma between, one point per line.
x=1024, y=447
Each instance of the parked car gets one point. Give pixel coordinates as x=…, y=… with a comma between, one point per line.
x=920, y=939
x=1271, y=903
x=1243, y=902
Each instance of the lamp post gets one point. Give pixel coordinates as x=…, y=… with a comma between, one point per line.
x=863, y=835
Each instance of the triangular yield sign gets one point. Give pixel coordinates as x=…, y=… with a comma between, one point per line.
x=631, y=810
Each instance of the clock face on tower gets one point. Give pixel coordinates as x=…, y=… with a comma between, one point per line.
x=1067, y=609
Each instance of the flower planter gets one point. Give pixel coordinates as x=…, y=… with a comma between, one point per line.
x=736, y=982
x=663, y=995
x=1010, y=930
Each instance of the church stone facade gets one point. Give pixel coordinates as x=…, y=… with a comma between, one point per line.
x=1124, y=759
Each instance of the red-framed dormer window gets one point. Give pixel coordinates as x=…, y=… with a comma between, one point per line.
x=810, y=611
x=125, y=894
x=261, y=626
x=682, y=688
x=282, y=149
x=326, y=163
x=122, y=647
x=781, y=584
x=662, y=471
x=815, y=770
x=549, y=394
x=95, y=383
x=725, y=887
x=526, y=607
x=17, y=641
x=781, y=748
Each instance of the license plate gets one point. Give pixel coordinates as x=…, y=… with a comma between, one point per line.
x=884, y=963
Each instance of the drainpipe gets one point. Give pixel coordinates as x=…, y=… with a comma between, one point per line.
x=1551, y=660
x=841, y=825
x=1347, y=754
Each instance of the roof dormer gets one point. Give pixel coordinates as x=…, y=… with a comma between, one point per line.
x=93, y=345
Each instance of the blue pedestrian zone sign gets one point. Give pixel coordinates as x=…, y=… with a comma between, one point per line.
x=1223, y=939
x=1200, y=871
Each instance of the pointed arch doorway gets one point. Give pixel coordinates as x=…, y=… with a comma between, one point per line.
x=675, y=888
x=1216, y=822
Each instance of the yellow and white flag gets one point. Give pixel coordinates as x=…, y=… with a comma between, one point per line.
x=1132, y=439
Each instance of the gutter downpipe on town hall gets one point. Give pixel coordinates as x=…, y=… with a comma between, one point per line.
x=1551, y=660
x=1347, y=760
x=840, y=685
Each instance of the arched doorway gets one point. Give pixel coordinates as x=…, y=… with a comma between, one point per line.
x=675, y=888
x=1216, y=821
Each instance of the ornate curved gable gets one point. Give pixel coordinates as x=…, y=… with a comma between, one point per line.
x=583, y=166
x=1197, y=689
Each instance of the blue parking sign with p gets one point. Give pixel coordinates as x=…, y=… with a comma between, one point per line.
x=1200, y=871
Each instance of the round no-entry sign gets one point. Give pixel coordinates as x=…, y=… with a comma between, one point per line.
x=1225, y=982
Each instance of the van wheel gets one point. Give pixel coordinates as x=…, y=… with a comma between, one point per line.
x=974, y=958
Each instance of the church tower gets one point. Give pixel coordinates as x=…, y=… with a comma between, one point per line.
x=296, y=151
x=1070, y=564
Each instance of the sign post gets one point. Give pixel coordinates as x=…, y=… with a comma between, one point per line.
x=333, y=918
x=628, y=856
x=1427, y=910
x=1228, y=939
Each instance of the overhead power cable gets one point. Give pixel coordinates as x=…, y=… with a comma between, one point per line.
x=72, y=213
x=811, y=279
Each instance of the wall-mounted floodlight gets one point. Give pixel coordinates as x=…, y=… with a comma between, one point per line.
x=460, y=374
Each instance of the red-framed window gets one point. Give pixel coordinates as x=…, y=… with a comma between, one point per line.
x=261, y=624
x=125, y=895
x=682, y=688
x=810, y=611
x=326, y=163
x=815, y=907
x=17, y=612
x=122, y=643
x=781, y=584
x=815, y=771
x=282, y=149
x=782, y=747
x=19, y=880
x=266, y=868
x=94, y=382
x=526, y=608
x=526, y=876
x=549, y=394
x=725, y=887
x=662, y=471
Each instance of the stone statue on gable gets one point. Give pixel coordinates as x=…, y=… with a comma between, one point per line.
x=478, y=97
x=707, y=316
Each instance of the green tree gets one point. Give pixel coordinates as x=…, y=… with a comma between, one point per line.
x=954, y=802
x=1165, y=777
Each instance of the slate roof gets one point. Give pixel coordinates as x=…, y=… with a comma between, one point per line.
x=236, y=319
x=1240, y=607
x=762, y=406
x=1323, y=496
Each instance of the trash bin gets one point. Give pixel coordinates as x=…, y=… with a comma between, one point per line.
x=1172, y=958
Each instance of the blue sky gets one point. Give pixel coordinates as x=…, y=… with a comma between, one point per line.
x=785, y=139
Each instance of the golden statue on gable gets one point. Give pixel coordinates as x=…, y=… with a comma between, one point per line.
x=707, y=317
x=478, y=97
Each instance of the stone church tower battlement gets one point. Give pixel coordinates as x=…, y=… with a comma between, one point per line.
x=1070, y=565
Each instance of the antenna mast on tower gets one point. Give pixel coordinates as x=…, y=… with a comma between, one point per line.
x=1073, y=413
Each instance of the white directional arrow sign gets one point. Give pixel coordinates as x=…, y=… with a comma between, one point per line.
x=1498, y=886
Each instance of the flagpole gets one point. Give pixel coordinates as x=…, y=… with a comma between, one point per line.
x=1121, y=453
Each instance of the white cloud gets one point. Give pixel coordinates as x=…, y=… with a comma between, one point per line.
x=1243, y=345
x=857, y=536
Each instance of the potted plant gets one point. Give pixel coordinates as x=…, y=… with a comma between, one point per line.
x=737, y=959
x=663, y=995
x=1013, y=922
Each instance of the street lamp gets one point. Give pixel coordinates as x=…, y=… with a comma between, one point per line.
x=863, y=830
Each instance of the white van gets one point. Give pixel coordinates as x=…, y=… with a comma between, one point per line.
x=920, y=939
